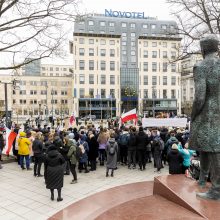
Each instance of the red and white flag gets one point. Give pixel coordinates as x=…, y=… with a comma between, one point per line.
x=9, y=138
x=132, y=114
x=72, y=119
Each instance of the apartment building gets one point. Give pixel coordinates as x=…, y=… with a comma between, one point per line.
x=42, y=91
x=187, y=82
x=131, y=60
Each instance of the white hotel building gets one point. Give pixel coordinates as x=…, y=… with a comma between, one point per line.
x=124, y=63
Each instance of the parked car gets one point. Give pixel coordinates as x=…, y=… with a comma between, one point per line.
x=87, y=117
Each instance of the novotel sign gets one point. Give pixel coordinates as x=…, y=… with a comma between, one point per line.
x=124, y=14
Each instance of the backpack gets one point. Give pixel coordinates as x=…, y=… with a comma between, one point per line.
x=123, y=140
x=112, y=150
x=80, y=150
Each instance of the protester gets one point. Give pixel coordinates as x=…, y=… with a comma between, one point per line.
x=54, y=173
x=37, y=148
x=132, y=148
x=72, y=156
x=24, y=150
x=175, y=160
x=123, y=145
x=102, y=140
x=111, y=152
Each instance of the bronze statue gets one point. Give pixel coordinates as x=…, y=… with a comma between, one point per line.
x=205, y=118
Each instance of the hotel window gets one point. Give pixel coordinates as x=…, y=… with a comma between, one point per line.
x=132, y=25
x=132, y=34
x=133, y=43
x=145, y=66
x=43, y=92
x=165, y=44
x=173, y=93
x=81, y=64
x=91, y=52
x=145, y=80
x=164, y=54
x=91, y=23
x=154, y=67
x=124, y=25
x=154, y=54
x=164, y=26
x=91, y=41
x=91, y=93
x=112, y=65
x=53, y=92
x=103, y=42
x=102, y=23
x=57, y=68
x=172, y=27
x=145, y=54
x=133, y=53
x=165, y=80
x=81, y=93
x=102, y=32
x=173, y=67
x=103, y=65
x=81, y=40
x=111, y=24
x=112, y=80
x=145, y=44
x=165, y=67
x=51, y=68
x=63, y=92
x=173, y=45
x=173, y=80
x=91, y=79
x=145, y=93
x=33, y=83
x=81, y=23
x=124, y=43
x=81, y=51
x=112, y=93
x=112, y=52
x=154, y=44
x=91, y=65
x=103, y=52
x=103, y=94
x=124, y=52
x=103, y=79
x=164, y=94
x=112, y=42
x=145, y=26
x=154, y=80
x=173, y=55
x=153, y=26
x=124, y=34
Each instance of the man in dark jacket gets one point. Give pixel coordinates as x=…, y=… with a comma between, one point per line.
x=132, y=148
x=142, y=142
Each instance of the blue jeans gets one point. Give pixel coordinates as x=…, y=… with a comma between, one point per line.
x=27, y=160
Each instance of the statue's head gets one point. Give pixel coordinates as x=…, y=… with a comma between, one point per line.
x=209, y=44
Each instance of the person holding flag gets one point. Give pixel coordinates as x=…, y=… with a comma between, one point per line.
x=72, y=119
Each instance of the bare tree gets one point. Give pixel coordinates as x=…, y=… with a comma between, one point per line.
x=34, y=29
x=195, y=18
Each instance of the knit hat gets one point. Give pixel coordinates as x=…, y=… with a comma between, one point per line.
x=22, y=134
x=71, y=136
x=174, y=147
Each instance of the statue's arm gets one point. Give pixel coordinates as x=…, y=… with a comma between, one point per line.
x=200, y=93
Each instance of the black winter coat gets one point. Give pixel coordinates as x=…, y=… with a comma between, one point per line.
x=93, y=148
x=132, y=142
x=175, y=160
x=1, y=142
x=37, y=147
x=54, y=172
x=142, y=140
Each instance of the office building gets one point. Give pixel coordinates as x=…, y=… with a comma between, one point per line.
x=124, y=63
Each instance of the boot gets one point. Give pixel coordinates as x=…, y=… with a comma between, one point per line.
x=112, y=173
x=52, y=194
x=107, y=174
x=59, y=199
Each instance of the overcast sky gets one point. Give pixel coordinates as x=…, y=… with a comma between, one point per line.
x=152, y=8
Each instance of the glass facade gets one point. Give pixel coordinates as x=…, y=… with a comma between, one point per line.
x=129, y=88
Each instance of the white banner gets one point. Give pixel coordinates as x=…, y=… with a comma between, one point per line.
x=167, y=122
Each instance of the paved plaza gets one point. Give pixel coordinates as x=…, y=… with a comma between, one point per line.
x=23, y=196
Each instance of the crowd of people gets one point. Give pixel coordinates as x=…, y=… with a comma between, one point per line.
x=64, y=152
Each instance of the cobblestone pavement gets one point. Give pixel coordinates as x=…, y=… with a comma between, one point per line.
x=23, y=196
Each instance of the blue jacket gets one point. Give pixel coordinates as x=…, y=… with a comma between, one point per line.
x=84, y=158
x=186, y=155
